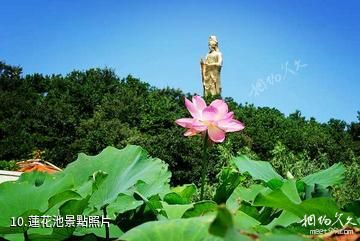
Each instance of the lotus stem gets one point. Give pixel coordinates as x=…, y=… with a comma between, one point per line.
x=107, y=229
x=204, y=166
x=26, y=236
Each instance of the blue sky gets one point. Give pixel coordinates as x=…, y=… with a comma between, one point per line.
x=161, y=42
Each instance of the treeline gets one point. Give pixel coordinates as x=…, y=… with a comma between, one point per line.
x=86, y=111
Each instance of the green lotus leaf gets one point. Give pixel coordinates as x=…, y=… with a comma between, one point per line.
x=243, y=194
x=174, y=211
x=285, y=219
x=122, y=204
x=200, y=209
x=181, y=194
x=328, y=177
x=189, y=229
x=229, y=180
x=259, y=170
x=128, y=170
x=319, y=207
x=242, y=221
x=227, y=226
x=33, y=194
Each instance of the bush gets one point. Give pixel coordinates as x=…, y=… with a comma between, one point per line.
x=8, y=165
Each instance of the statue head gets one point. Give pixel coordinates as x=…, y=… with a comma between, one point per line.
x=213, y=43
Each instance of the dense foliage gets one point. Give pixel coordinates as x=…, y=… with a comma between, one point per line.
x=85, y=111
x=132, y=190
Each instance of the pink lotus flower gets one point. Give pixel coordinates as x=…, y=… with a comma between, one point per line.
x=215, y=119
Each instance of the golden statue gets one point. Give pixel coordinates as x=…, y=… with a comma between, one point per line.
x=211, y=69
